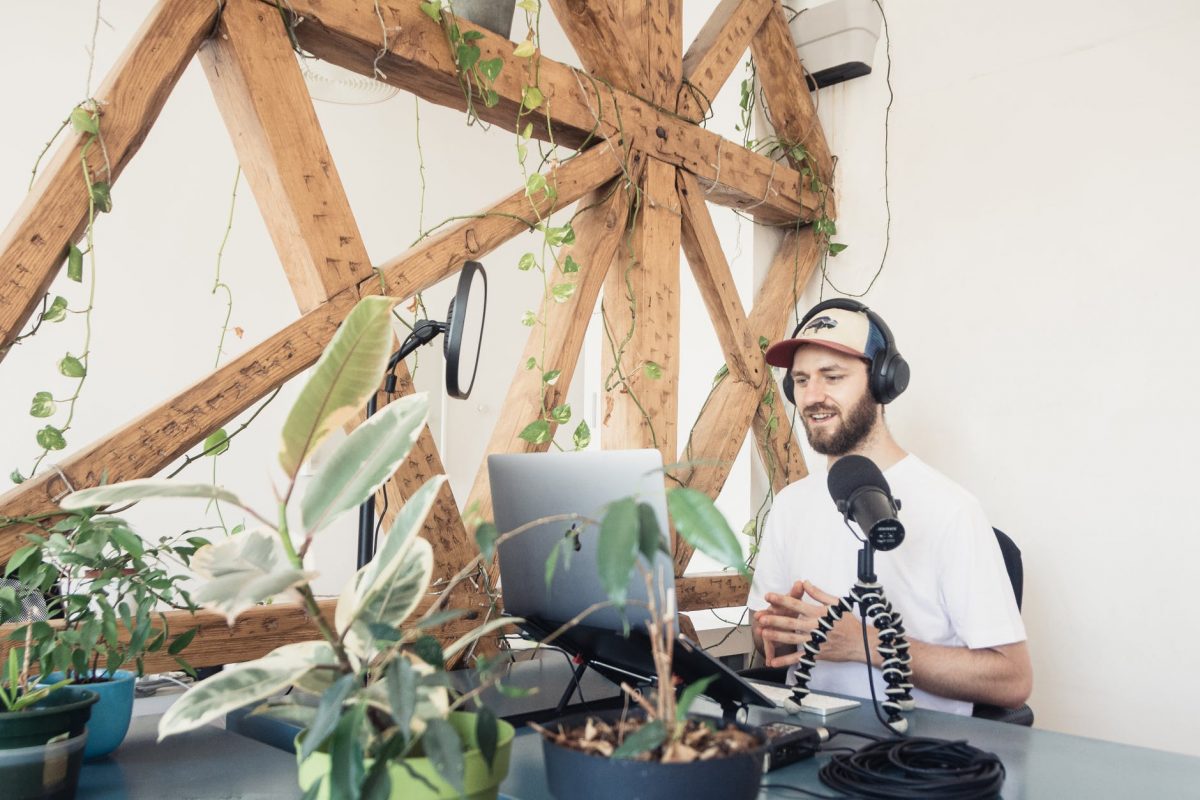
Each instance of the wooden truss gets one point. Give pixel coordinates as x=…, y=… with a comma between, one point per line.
x=634, y=109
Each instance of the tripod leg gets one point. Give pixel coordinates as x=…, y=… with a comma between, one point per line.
x=893, y=647
x=808, y=659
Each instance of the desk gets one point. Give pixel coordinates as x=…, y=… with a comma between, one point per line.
x=1040, y=765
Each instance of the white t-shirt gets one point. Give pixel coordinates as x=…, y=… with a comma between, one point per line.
x=947, y=579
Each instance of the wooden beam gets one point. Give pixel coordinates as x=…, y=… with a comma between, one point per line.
x=155, y=439
x=598, y=32
x=716, y=51
x=711, y=590
x=778, y=447
x=714, y=278
x=54, y=213
x=728, y=412
x=582, y=108
x=261, y=95
x=658, y=46
x=641, y=316
x=789, y=104
x=598, y=233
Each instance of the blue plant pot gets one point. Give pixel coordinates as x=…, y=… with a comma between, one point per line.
x=110, y=716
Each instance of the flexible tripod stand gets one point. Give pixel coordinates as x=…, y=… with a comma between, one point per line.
x=868, y=595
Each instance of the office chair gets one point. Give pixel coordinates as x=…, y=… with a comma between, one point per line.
x=1016, y=576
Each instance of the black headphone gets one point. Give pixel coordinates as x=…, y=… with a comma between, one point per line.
x=888, y=374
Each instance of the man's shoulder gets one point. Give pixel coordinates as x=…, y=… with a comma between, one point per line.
x=806, y=490
x=914, y=475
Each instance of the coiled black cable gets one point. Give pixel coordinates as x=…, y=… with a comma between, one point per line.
x=930, y=769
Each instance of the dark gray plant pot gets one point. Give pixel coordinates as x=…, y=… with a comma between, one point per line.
x=495, y=15
x=575, y=775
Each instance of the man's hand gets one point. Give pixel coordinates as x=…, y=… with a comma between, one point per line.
x=791, y=620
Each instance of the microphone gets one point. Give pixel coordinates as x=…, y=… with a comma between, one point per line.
x=861, y=492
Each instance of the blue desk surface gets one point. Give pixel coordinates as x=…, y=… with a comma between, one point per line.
x=214, y=764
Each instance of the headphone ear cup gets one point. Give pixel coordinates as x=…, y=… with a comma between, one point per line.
x=789, y=388
x=889, y=376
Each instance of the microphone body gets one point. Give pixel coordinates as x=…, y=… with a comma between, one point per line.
x=861, y=493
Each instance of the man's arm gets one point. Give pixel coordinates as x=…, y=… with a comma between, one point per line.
x=1001, y=676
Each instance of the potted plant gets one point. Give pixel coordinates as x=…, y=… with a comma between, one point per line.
x=660, y=750
x=42, y=732
x=103, y=586
x=386, y=721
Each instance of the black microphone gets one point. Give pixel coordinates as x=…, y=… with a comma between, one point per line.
x=862, y=493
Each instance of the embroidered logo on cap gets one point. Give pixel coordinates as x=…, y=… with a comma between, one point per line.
x=820, y=322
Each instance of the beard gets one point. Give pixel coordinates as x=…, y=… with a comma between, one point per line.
x=856, y=426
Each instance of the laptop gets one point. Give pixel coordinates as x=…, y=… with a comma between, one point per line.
x=532, y=486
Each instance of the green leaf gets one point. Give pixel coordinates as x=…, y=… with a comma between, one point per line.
x=527, y=131
x=72, y=367
x=583, y=435
x=551, y=377
x=534, y=183
x=243, y=684
x=570, y=265
x=647, y=737
x=445, y=750
x=329, y=711
x=528, y=261
x=763, y=343
x=561, y=414
x=102, y=196
x=552, y=563
x=562, y=292
x=84, y=122
x=531, y=98
x=50, y=438
x=401, y=682
x=836, y=247
x=16, y=477
x=434, y=10
x=616, y=551
x=649, y=534
x=530, y=6
x=564, y=234
x=689, y=696
x=652, y=370
x=181, y=641
x=364, y=461
x=242, y=571
x=20, y=557
x=485, y=537
x=702, y=526
x=529, y=319
x=491, y=98
x=464, y=641
x=346, y=765
x=127, y=541
x=721, y=373
x=43, y=405
x=144, y=489
x=525, y=49
x=216, y=443
x=531, y=363
x=57, y=311
x=430, y=651
x=536, y=432
x=347, y=373
x=490, y=68
x=74, y=264
x=467, y=54
x=487, y=735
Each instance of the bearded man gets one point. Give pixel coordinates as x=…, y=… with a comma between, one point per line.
x=947, y=579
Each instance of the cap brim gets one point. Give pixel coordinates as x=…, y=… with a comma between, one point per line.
x=782, y=354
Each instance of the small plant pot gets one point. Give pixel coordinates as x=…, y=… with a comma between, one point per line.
x=66, y=710
x=575, y=775
x=43, y=772
x=409, y=780
x=111, y=715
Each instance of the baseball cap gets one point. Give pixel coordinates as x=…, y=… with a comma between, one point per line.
x=841, y=329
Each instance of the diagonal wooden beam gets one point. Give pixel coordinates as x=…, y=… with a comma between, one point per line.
x=598, y=233
x=789, y=104
x=658, y=46
x=158, y=437
x=262, y=96
x=256, y=81
x=54, y=214
x=716, y=51
x=582, y=108
x=641, y=319
x=599, y=34
x=729, y=410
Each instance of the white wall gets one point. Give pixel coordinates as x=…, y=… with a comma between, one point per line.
x=1040, y=282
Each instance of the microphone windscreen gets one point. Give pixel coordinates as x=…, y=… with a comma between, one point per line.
x=849, y=473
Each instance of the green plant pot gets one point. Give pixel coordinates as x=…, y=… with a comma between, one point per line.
x=66, y=710
x=42, y=772
x=479, y=783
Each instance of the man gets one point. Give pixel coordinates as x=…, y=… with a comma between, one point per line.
x=947, y=579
